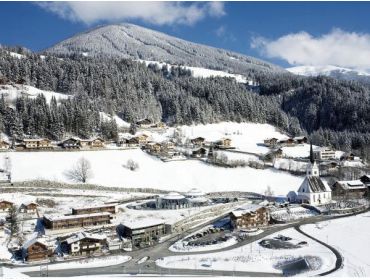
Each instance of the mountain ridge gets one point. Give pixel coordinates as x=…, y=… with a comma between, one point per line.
x=132, y=41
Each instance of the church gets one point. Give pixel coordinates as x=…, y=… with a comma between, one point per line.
x=312, y=190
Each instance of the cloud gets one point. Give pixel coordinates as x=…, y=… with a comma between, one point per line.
x=223, y=33
x=159, y=13
x=338, y=47
x=220, y=32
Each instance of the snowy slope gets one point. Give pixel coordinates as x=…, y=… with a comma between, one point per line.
x=135, y=42
x=350, y=236
x=120, y=122
x=11, y=92
x=199, y=72
x=331, y=71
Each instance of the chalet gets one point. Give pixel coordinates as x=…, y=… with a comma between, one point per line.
x=313, y=190
x=143, y=234
x=198, y=141
x=324, y=153
x=300, y=140
x=224, y=143
x=132, y=142
x=77, y=221
x=199, y=153
x=71, y=143
x=349, y=189
x=29, y=208
x=36, y=250
x=144, y=123
x=142, y=139
x=4, y=145
x=37, y=144
x=96, y=143
x=153, y=147
x=110, y=208
x=249, y=216
x=83, y=244
x=168, y=145
x=286, y=142
x=350, y=157
x=270, y=142
x=5, y=205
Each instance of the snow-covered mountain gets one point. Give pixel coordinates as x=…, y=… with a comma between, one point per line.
x=331, y=71
x=132, y=41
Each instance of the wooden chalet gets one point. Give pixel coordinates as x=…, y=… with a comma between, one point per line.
x=77, y=221
x=249, y=216
x=198, y=141
x=110, y=208
x=97, y=143
x=83, y=244
x=199, y=153
x=153, y=147
x=349, y=189
x=36, y=250
x=4, y=145
x=287, y=142
x=224, y=143
x=300, y=140
x=71, y=143
x=270, y=142
x=29, y=208
x=35, y=144
x=144, y=123
x=5, y=205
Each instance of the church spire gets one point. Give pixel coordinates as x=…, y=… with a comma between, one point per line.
x=312, y=160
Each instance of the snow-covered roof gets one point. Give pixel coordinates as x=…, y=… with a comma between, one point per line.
x=82, y=235
x=354, y=184
x=94, y=206
x=33, y=240
x=197, y=199
x=173, y=195
x=138, y=224
x=245, y=209
x=71, y=217
x=313, y=184
x=194, y=192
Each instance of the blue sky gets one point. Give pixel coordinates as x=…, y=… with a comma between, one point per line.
x=260, y=29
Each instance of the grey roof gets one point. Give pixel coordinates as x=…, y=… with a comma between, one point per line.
x=316, y=184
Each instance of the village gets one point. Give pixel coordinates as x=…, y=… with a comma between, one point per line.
x=42, y=224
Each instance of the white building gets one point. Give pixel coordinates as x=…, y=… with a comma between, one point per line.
x=313, y=190
x=324, y=153
x=172, y=200
x=196, y=197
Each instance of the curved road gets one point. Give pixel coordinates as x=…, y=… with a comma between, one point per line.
x=161, y=250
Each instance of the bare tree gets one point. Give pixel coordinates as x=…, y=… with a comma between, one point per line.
x=80, y=172
x=132, y=165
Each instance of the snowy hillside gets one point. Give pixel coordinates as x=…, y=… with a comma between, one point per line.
x=132, y=41
x=199, y=72
x=331, y=71
x=11, y=92
x=120, y=123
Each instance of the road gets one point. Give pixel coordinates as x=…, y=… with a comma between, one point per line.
x=161, y=250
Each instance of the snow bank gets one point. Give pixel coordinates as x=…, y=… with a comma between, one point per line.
x=120, y=122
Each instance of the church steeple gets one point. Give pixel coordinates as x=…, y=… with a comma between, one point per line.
x=312, y=167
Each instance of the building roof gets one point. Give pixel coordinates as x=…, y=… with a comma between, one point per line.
x=354, y=184
x=139, y=224
x=34, y=240
x=94, y=206
x=194, y=192
x=71, y=217
x=314, y=184
x=299, y=137
x=173, y=195
x=82, y=235
x=246, y=209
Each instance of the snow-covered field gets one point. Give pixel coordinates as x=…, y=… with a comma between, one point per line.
x=11, y=92
x=254, y=258
x=108, y=170
x=351, y=237
x=84, y=263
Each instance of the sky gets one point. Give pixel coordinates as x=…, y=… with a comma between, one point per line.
x=285, y=33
